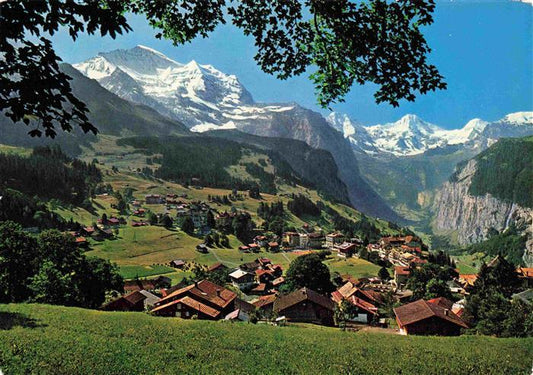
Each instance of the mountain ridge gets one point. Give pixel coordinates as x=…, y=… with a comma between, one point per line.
x=411, y=135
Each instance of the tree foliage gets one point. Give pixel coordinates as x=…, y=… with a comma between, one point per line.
x=489, y=309
x=49, y=173
x=430, y=281
x=50, y=268
x=345, y=42
x=308, y=271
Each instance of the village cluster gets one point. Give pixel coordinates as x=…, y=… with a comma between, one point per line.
x=251, y=291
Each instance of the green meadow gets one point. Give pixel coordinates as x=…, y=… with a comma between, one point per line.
x=43, y=339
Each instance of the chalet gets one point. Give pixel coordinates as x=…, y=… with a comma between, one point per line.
x=333, y=239
x=264, y=276
x=365, y=312
x=433, y=317
x=259, y=289
x=345, y=250
x=204, y=300
x=242, y=279
x=265, y=304
x=291, y=239
x=350, y=289
x=305, y=305
x=147, y=284
x=177, y=263
x=153, y=199
x=401, y=275
x=217, y=267
x=244, y=249
x=133, y=301
x=139, y=212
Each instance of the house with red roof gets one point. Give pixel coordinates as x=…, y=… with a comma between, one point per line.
x=401, y=275
x=133, y=301
x=204, y=299
x=432, y=317
x=265, y=304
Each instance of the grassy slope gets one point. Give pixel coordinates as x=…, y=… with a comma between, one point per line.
x=142, y=251
x=58, y=340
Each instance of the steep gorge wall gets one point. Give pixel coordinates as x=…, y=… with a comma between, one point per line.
x=471, y=217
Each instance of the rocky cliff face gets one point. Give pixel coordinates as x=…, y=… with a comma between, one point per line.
x=471, y=217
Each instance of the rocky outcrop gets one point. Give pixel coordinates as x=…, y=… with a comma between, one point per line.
x=471, y=217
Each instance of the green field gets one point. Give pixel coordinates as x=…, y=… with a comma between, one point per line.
x=352, y=266
x=45, y=339
x=131, y=272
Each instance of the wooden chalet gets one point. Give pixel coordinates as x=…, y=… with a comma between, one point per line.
x=433, y=317
x=305, y=305
x=204, y=299
x=133, y=301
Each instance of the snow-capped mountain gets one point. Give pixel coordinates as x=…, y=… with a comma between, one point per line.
x=200, y=96
x=411, y=135
x=204, y=99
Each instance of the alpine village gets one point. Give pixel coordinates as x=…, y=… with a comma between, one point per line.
x=155, y=218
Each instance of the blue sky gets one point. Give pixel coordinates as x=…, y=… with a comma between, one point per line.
x=484, y=50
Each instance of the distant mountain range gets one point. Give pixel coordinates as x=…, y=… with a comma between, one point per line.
x=411, y=135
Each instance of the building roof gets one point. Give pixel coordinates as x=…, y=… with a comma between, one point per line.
x=199, y=306
x=300, y=295
x=361, y=303
x=525, y=272
x=238, y=274
x=278, y=281
x=151, y=299
x=420, y=310
x=205, y=290
x=468, y=278
x=265, y=301
x=259, y=288
x=347, y=290
x=134, y=297
x=400, y=270
x=216, y=266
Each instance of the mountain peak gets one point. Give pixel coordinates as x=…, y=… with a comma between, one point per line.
x=192, y=93
x=518, y=118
